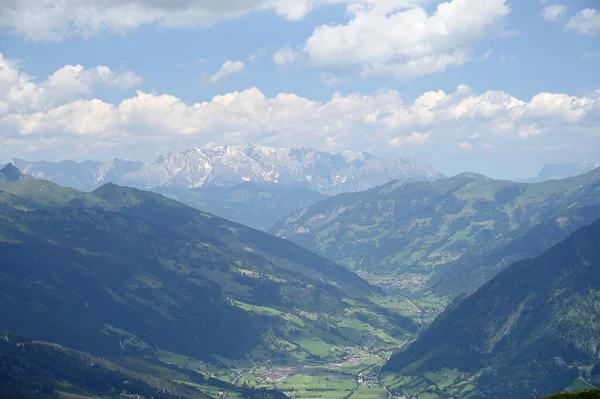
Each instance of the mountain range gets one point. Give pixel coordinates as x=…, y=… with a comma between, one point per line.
x=297, y=166
x=449, y=235
x=562, y=171
x=249, y=184
x=84, y=176
x=327, y=173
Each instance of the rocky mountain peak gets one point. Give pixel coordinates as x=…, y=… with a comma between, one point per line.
x=10, y=173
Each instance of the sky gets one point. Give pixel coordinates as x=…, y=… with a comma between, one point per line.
x=499, y=87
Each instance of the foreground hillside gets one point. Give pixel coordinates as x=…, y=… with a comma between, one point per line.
x=123, y=272
x=41, y=370
x=413, y=235
x=532, y=330
x=589, y=394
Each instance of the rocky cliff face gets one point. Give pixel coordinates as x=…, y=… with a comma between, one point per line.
x=344, y=171
x=327, y=173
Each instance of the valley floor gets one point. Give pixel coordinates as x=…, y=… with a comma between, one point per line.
x=342, y=371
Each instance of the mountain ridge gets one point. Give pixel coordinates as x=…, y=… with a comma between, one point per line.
x=328, y=173
x=401, y=233
x=562, y=171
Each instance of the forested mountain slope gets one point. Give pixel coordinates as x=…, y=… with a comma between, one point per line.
x=411, y=234
x=121, y=271
x=532, y=330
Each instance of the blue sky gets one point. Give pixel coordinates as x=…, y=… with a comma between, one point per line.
x=493, y=86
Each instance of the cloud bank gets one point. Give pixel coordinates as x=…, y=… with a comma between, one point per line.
x=49, y=117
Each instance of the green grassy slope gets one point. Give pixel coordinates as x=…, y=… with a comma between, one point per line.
x=401, y=234
x=39, y=191
x=125, y=272
x=244, y=241
x=476, y=267
x=592, y=394
x=41, y=370
x=532, y=330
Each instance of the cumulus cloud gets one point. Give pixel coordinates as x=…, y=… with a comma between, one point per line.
x=54, y=20
x=412, y=138
x=21, y=92
x=227, y=69
x=382, y=40
x=33, y=120
x=585, y=22
x=396, y=38
x=554, y=12
x=38, y=116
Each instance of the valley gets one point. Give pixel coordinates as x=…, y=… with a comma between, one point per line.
x=202, y=306
x=280, y=317
x=299, y=199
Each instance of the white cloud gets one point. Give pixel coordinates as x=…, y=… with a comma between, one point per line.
x=383, y=37
x=33, y=120
x=405, y=43
x=227, y=69
x=286, y=56
x=465, y=145
x=24, y=93
x=412, y=138
x=527, y=131
x=554, y=12
x=55, y=20
x=585, y=22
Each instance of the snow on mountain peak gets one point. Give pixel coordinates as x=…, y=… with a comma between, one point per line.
x=226, y=165
x=344, y=171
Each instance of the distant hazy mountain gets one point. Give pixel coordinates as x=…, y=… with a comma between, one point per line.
x=229, y=165
x=84, y=176
x=248, y=184
x=529, y=332
x=257, y=205
x=327, y=173
x=562, y=171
